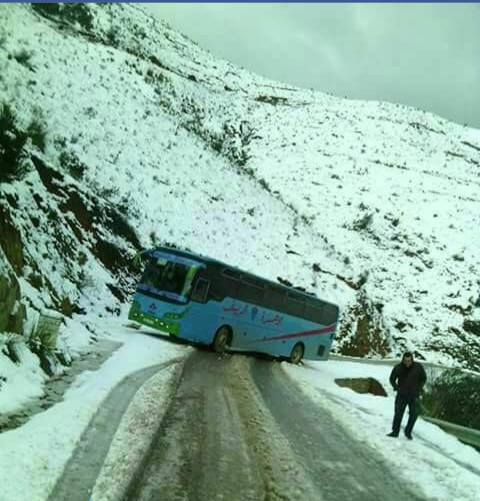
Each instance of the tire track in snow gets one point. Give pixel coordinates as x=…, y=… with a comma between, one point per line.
x=84, y=466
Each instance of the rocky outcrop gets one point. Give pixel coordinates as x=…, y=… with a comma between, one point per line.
x=10, y=238
x=362, y=331
x=12, y=313
x=54, y=236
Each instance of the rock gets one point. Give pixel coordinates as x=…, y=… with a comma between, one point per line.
x=12, y=314
x=362, y=331
x=10, y=240
x=363, y=385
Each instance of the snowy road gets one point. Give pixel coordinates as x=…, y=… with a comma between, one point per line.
x=338, y=465
x=161, y=420
x=202, y=451
x=239, y=429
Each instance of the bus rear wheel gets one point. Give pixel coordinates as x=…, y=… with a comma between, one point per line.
x=220, y=342
x=296, y=354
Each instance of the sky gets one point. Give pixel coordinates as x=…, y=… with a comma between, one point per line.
x=421, y=55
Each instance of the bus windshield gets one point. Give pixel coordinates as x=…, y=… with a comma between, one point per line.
x=168, y=278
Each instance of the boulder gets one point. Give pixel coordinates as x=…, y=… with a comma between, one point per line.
x=363, y=385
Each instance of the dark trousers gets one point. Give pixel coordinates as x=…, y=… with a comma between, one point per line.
x=401, y=402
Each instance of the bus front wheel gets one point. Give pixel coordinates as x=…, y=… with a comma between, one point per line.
x=296, y=354
x=220, y=342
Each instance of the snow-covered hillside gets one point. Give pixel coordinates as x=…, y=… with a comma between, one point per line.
x=143, y=138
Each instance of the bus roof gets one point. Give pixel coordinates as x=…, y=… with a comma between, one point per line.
x=207, y=260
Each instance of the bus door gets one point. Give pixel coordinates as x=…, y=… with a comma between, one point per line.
x=205, y=304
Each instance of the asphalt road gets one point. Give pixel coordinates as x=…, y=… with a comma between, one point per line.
x=239, y=429
x=203, y=451
x=337, y=465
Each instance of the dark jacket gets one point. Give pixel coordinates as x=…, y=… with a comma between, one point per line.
x=408, y=380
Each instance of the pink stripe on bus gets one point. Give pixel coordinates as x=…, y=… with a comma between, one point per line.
x=325, y=330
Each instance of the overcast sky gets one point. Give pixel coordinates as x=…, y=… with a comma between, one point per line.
x=423, y=55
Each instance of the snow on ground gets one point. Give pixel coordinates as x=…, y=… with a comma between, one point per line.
x=19, y=383
x=442, y=468
x=133, y=437
x=33, y=456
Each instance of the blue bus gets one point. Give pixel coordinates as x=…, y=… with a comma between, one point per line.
x=209, y=302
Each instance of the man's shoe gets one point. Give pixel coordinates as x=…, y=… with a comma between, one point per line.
x=392, y=434
x=409, y=436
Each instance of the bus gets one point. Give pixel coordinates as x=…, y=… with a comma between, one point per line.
x=205, y=301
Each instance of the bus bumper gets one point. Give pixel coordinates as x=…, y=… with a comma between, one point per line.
x=161, y=324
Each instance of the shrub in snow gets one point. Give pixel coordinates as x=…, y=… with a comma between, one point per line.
x=13, y=139
x=154, y=77
x=12, y=142
x=70, y=162
x=363, y=223
x=472, y=326
x=76, y=14
x=264, y=185
x=8, y=346
x=36, y=131
x=43, y=340
x=274, y=100
x=47, y=8
x=113, y=37
x=23, y=57
x=453, y=396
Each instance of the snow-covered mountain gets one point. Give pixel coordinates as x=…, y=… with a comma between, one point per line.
x=135, y=136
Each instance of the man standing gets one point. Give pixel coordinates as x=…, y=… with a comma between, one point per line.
x=407, y=379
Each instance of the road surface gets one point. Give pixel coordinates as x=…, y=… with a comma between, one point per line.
x=236, y=429
x=239, y=429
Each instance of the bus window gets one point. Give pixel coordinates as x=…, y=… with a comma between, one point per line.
x=200, y=292
x=223, y=286
x=233, y=274
x=275, y=299
x=166, y=276
x=253, y=281
x=295, y=304
x=330, y=314
x=314, y=312
x=251, y=290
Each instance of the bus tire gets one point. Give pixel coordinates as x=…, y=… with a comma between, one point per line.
x=221, y=339
x=296, y=354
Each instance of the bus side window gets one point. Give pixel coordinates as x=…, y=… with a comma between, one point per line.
x=252, y=290
x=295, y=304
x=201, y=291
x=314, y=312
x=275, y=299
x=330, y=314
